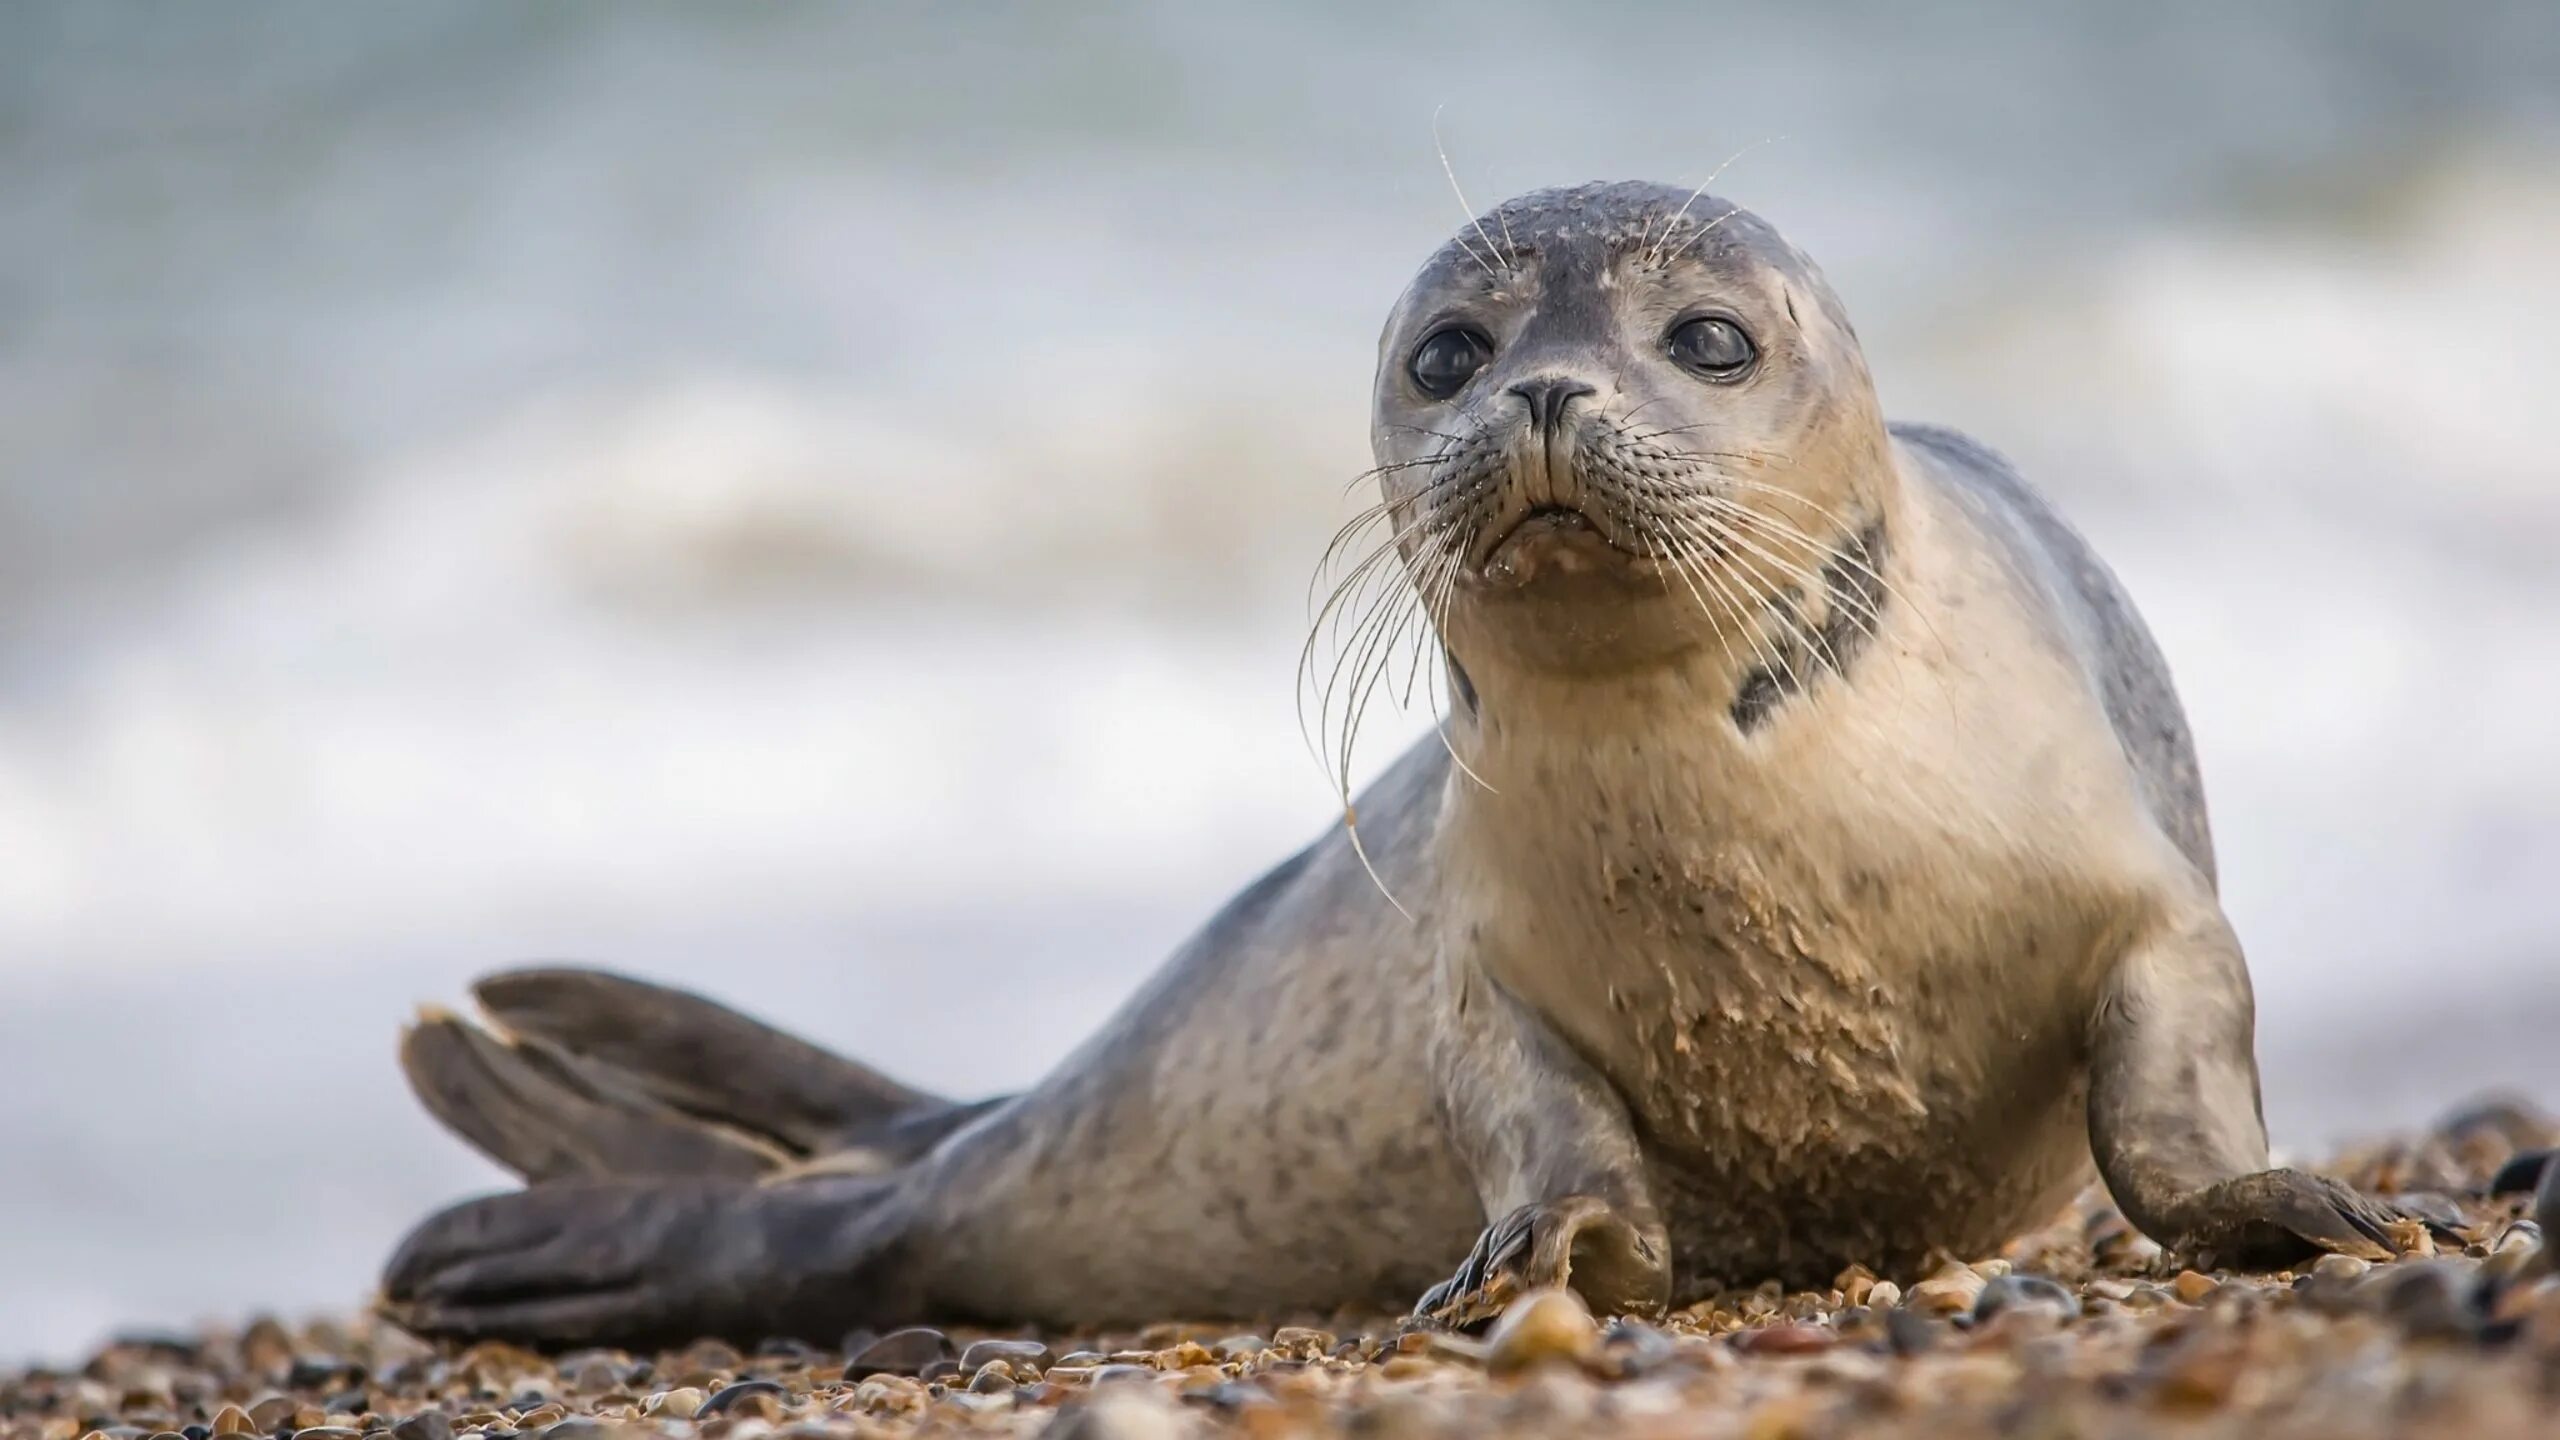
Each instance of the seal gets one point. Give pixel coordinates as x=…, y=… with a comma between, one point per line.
x=1812, y=870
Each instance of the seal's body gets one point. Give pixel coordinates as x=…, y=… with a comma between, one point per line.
x=1813, y=871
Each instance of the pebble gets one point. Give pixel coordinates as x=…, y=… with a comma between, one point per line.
x=1017, y=1353
x=2430, y=1299
x=1786, y=1340
x=2015, y=1294
x=992, y=1378
x=1541, y=1327
x=2351, y=1350
x=1952, y=1291
x=760, y=1398
x=682, y=1403
x=1908, y=1332
x=2520, y=1175
x=901, y=1352
x=425, y=1425
x=1123, y=1412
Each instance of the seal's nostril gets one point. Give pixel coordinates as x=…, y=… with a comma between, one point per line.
x=1547, y=396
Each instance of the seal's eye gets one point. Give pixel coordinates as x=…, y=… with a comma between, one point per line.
x=1445, y=361
x=1713, y=347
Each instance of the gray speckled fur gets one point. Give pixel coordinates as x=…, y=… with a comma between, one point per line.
x=1852, y=969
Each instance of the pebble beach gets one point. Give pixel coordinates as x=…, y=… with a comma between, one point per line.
x=2082, y=1328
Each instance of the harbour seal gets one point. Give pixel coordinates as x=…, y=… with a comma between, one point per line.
x=1812, y=871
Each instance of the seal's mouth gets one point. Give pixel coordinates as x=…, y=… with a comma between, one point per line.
x=1541, y=520
x=1553, y=528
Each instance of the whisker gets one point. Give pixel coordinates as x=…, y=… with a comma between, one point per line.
x=1653, y=254
x=1470, y=211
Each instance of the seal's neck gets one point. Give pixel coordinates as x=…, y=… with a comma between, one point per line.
x=1749, y=672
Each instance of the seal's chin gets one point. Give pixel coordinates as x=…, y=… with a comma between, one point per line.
x=1553, y=542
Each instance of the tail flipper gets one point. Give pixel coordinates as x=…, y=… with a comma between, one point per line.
x=546, y=1116
x=652, y=1262
x=584, y=1074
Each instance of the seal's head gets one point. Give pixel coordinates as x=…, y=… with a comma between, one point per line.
x=1617, y=420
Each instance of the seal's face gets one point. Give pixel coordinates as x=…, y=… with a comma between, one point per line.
x=1614, y=420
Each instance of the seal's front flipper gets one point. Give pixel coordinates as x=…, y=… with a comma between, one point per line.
x=2174, y=1116
x=644, y=1263
x=1579, y=1242
x=1555, y=1160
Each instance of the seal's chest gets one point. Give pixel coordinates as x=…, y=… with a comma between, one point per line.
x=1713, y=998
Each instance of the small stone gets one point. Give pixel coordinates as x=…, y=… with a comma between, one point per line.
x=2429, y=1299
x=1908, y=1332
x=2522, y=1174
x=759, y=1398
x=682, y=1403
x=1299, y=1337
x=2018, y=1294
x=2192, y=1286
x=1951, y=1291
x=1855, y=1285
x=2340, y=1267
x=425, y=1425
x=1237, y=1347
x=1109, y=1374
x=1786, y=1340
x=901, y=1352
x=310, y=1372
x=994, y=1377
x=1885, y=1296
x=1085, y=1358
x=1016, y=1353
x=1118, y=1412
x=2410, y=1238
x=269, y=1413
x=235, y=1421
x=2200, y=1373
x=1638, y=1348
x=1541, y=1327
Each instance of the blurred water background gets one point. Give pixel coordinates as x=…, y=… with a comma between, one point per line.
x=816, y=502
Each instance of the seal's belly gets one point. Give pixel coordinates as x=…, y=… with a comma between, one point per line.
x=1809, y=1098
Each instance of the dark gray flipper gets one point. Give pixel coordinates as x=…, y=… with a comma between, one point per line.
x=700, y=1057
x=658, y=1262
x=582, y=1073
x=547, y=1117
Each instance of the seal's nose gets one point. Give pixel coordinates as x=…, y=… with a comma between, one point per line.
x=1547, y=396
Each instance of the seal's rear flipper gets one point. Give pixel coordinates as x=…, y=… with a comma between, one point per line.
x=649, y=1263
x=699, y=1057
x=546, y=1116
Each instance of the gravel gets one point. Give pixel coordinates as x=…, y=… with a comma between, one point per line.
x=2081, y=1329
